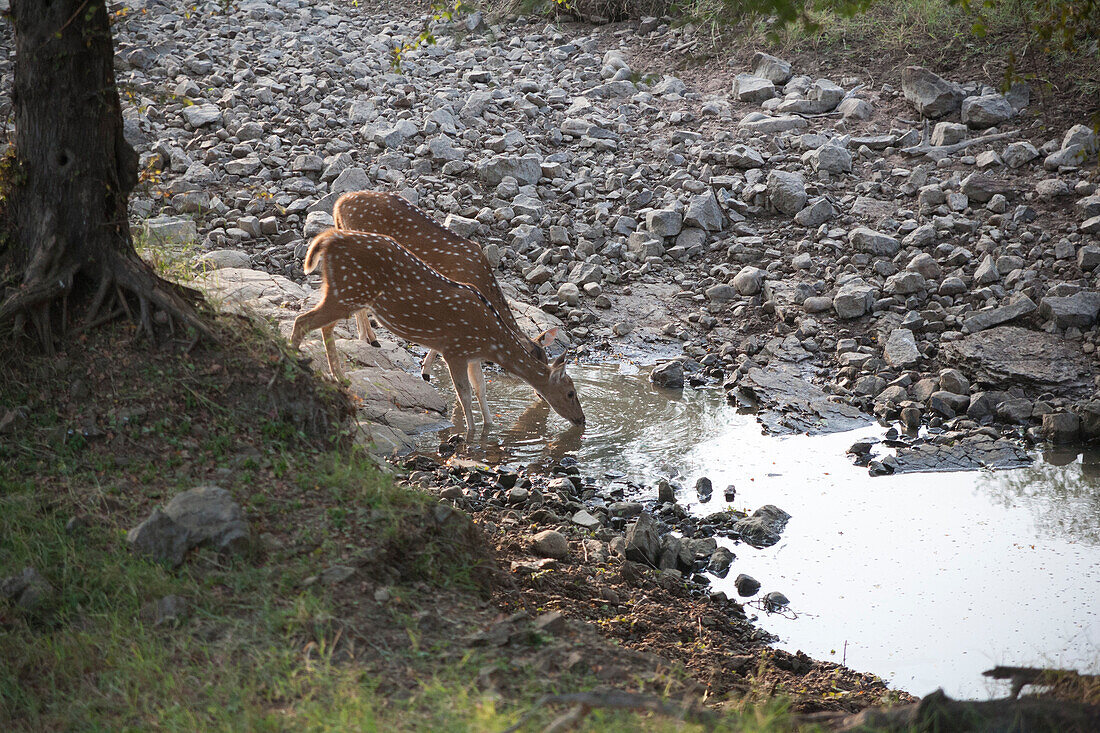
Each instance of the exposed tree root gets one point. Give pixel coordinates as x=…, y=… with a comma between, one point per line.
x=120, y=280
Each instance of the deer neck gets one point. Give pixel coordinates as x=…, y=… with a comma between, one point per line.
x=519, y=362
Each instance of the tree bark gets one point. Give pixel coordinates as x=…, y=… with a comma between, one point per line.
x=67, y=206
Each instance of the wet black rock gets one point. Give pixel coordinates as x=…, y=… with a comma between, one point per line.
x=624, y=509
x=704, y=488
x=764, y=527
x=1090, y=420
x=674, y=554
x=669, y=375
x=720, y=562
x=1061, y=428
x=643, y=540
x=730, y=493
x=665, y=492
x=884, y=467
x=775, y=601
x=746, y=585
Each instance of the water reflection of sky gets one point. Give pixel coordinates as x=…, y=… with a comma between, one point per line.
x=929, y=578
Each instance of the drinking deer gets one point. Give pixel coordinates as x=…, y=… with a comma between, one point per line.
x=417, y=303
x=441, y=249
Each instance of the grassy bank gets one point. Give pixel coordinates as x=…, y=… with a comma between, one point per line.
x=99, y=435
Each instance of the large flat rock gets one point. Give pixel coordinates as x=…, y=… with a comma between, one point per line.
x=395, y=388
x=239, y=290
x=790, y=404
x=1008, y=355
x=969, y=455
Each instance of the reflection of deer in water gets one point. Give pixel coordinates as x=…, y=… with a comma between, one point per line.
x=530, y=427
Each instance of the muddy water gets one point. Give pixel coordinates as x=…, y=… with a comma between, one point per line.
x=922, y=579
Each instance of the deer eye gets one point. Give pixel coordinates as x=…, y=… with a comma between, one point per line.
x=571, y=394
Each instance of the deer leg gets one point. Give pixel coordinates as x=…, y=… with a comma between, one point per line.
x=477, y=377
x=324, y=315
x=426, y=365
x=366, y=332
x=462, y=390
x=333, y=356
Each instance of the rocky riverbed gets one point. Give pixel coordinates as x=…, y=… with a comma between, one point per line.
x=921, y=249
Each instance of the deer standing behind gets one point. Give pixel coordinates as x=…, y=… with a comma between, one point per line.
x=441, y=249
x=417, y=303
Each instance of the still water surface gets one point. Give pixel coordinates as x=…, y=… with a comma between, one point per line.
x=928, y=579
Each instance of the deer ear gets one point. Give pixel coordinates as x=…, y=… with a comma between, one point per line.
x=547, y=337
x=559, y=362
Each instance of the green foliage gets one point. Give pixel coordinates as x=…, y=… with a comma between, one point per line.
x=441, y=10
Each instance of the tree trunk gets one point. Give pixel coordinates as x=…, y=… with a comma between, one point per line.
x=67, y=205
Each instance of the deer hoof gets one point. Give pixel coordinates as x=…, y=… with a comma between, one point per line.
x=425, y=376
x=376, y=344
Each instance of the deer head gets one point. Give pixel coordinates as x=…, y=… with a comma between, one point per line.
x=556, y=388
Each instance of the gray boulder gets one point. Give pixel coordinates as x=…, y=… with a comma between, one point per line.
x=744, y=158
x=829, y=158
x=703, y=212
x=816, y=213
x=749, y=280
x=772, y=68
x=550, y=543
x=1017, y=306
x=664, y=222
x=351, y=179
x=786, y=191
x=526, y=170
x=752, y=89
x=1019, y=153
x=948, y=133
x=200, y=115
x=932, y=95
x=161, y=539
x=223, y=258
x=212, y=518
x=854, y=299
x=986, y=111
x=170, y=230
x=1078, y=310
x=901, y=349
x=872, y=242
x=317, y=222
x=982, y=188
x=28, y=590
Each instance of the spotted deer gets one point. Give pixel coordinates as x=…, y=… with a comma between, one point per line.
x=444, y=251
x=418, y=303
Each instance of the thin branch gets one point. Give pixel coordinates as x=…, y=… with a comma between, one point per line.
x=944, y=150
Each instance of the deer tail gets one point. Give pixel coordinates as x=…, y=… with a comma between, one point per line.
x=316, y=248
